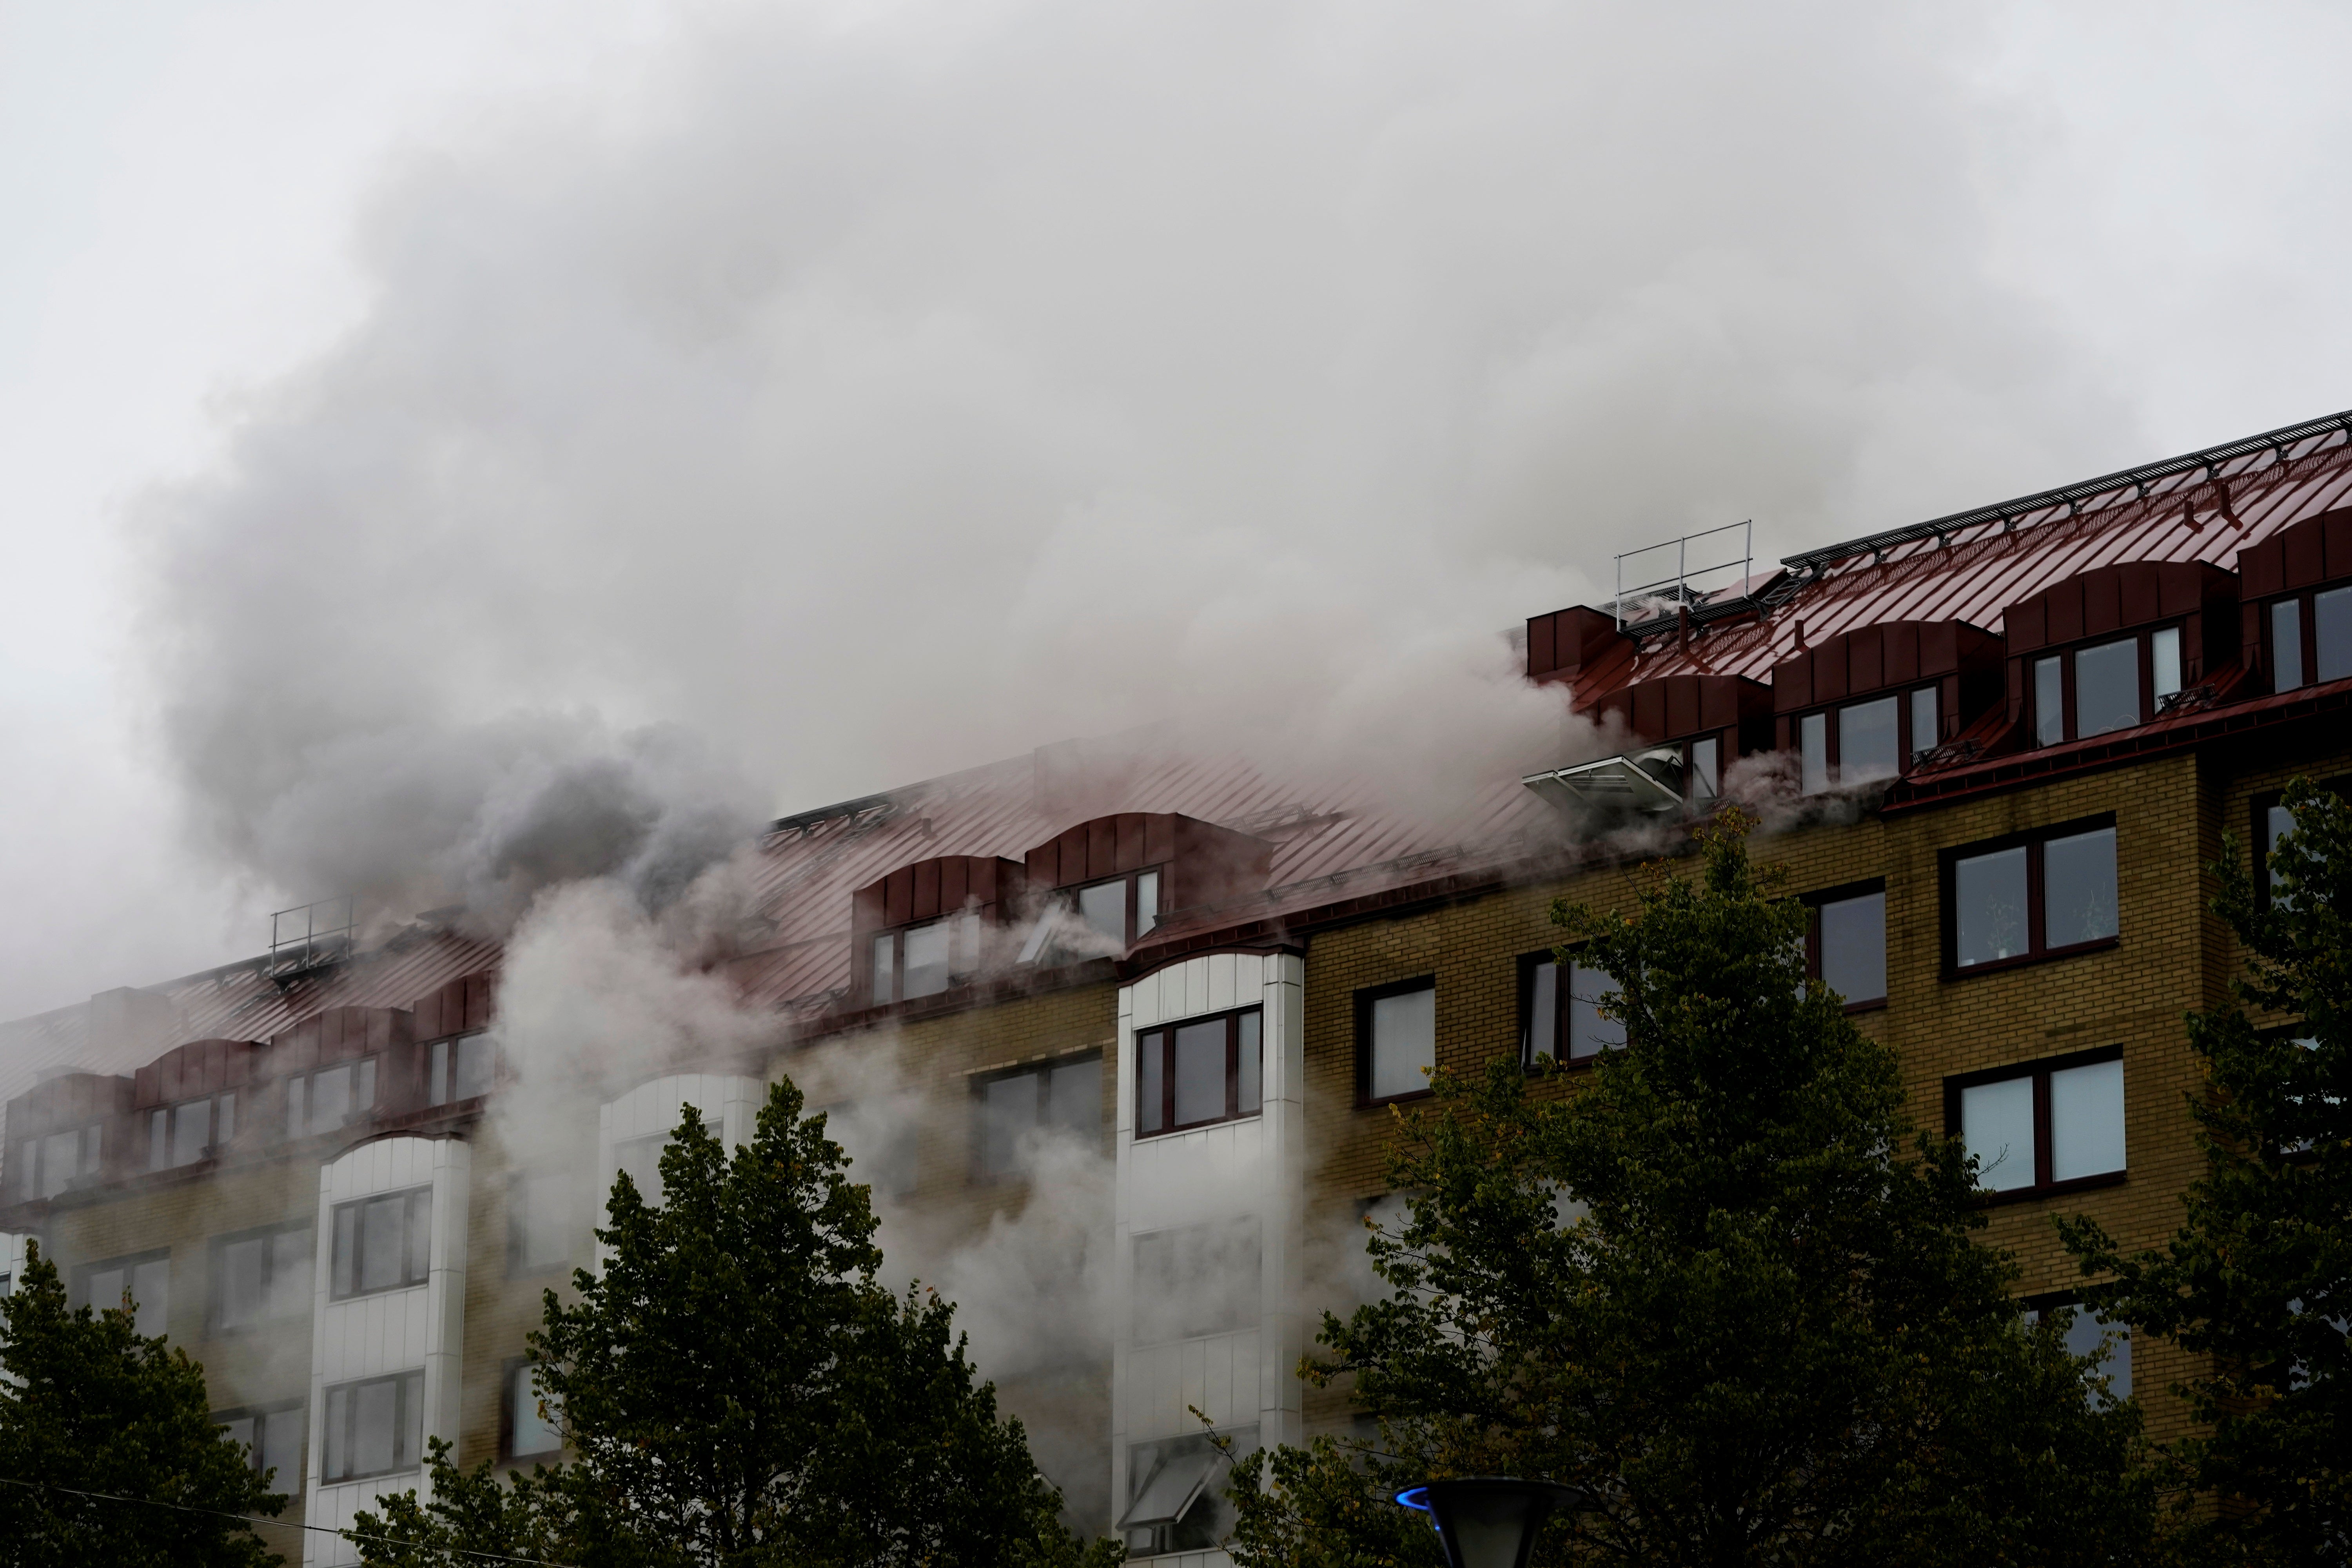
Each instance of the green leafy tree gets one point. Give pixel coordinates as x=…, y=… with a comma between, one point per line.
x=2258, y=1280
x=87, y=1404
x=739, y=1390
x=1721, y=1287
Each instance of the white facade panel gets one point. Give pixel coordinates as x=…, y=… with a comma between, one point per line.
x=420, y=1328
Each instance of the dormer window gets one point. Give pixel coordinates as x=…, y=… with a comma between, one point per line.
x=330, y=1098
x=55, y=1162
x=2116, y=684
x=2309, y=637
x=1123, y=908
x=461, y=1068
x=185, y=1134
x=1103, y=886
x=1867, y=704
x=925, y=960
x=1859, y=742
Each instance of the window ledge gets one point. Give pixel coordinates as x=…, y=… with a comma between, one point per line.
x=1407, y=1098
x=1154, y=1137
x=2054, y=1189
x=2027, y=960
x=1876, y=1004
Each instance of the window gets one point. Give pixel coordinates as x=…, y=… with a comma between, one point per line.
x=2272, y=821
x=382, y=1243
x=925, y=960
x=185, y=1134
x=2088, y=1334
x=2103, y=686
x=260, y=1277
x=2040, y=894
x=1396, y=1040
x=330, y=1098
x=538, y=1221
x=461, y=1068
x=2310, y=638
x=1567, y=1025
x=534, y=1420
x=1846, y=945
x=146, y=1278
x=2044, y=1128
x=272, y=1441
x=1176, y=1495
x=640, y=1160
x=1198, y=1071
x=1013, y=1109
x=1704, y=775
x=374, y=1427
x=1197, y=1280
x=53, y=1163
x=1876, y=739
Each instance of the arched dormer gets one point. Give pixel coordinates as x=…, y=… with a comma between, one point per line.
x=2105, y=649
x=924, y=927
x=1122, y=875
x=191, y=1103
x=1865, y=704
x=2295, y=614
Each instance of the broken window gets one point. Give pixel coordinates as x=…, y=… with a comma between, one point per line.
x=1195, y=1280
x=1175, y=1491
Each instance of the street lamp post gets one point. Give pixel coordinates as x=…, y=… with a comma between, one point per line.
x=1489, y=1521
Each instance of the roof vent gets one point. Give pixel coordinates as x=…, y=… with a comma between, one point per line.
x=310, y=936
x=1649, y=781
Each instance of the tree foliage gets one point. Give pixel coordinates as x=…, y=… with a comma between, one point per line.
x=2259, y=1277
x=1718, y=1284
x=90, y=1404
x=738, y=1390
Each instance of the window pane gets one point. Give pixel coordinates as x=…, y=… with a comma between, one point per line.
x=2084, y=1338
x=192, y=1130
x=1200, y=1072
x=1988, y=907
x=2279, y=822
x=1252, y=1062
x=245, y=1282
x=346, y=1250
x=376, y=1422
x=1543, y=1014
x=1103, y=908
x=476, y=1066
x=2078, y=882
x=1705, y=769
x=330, y=1098
x=363, y=1092
x=1813, y=754
x=240, y=1431
x=2164, y=662
x=227, y=1130
x=1854, y=947
x=533, y=1433
x=159, y=1140
x=380, y=1243
x=542, y=1218
x=885, y=950
x=291, y=1259
x=282, y=1448
x=2106, y=687
x=338, y=1434
x=1866, y=741
x=1074, y=1098
x=437, y=1093
x=297, y=1121
x=1147, y=901
x=1198, y=1280
x=151, y=1287
x=411, y=1445
x=1404, y=1042
x=1008, y=1114
x=2087, y=1120
x=640, y=1160
x=1924, y=734
x=2048, y=701
x=927, y=961
x=1150, y=1087
x=105, y=1288
x=2331, y=629
x=1996, y=1127
x=2287, y=645
x=419, y=1236
x=1590, y=1033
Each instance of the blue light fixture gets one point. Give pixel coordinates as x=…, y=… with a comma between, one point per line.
x=1489, y=1521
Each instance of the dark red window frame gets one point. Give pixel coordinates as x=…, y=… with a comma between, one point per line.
x=2065, y=654
x=1364, y=1000
x=1838, y=895
x=2037, y=950
x=2039, y=1072
x=1161, y=1038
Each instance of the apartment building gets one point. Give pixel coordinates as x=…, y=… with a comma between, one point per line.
x=1998, y=749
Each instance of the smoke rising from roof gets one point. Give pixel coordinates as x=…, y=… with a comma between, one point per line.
x=873, y=391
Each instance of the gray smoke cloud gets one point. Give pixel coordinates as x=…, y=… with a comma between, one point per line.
x=873, y=391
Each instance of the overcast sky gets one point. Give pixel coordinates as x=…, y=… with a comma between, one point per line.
x=401, y=407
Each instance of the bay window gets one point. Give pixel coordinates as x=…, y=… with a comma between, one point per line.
x=382, y=1243
x=2035, y=895
x=1198, y=1071
x=2044, y=1127
x=374, y=1427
